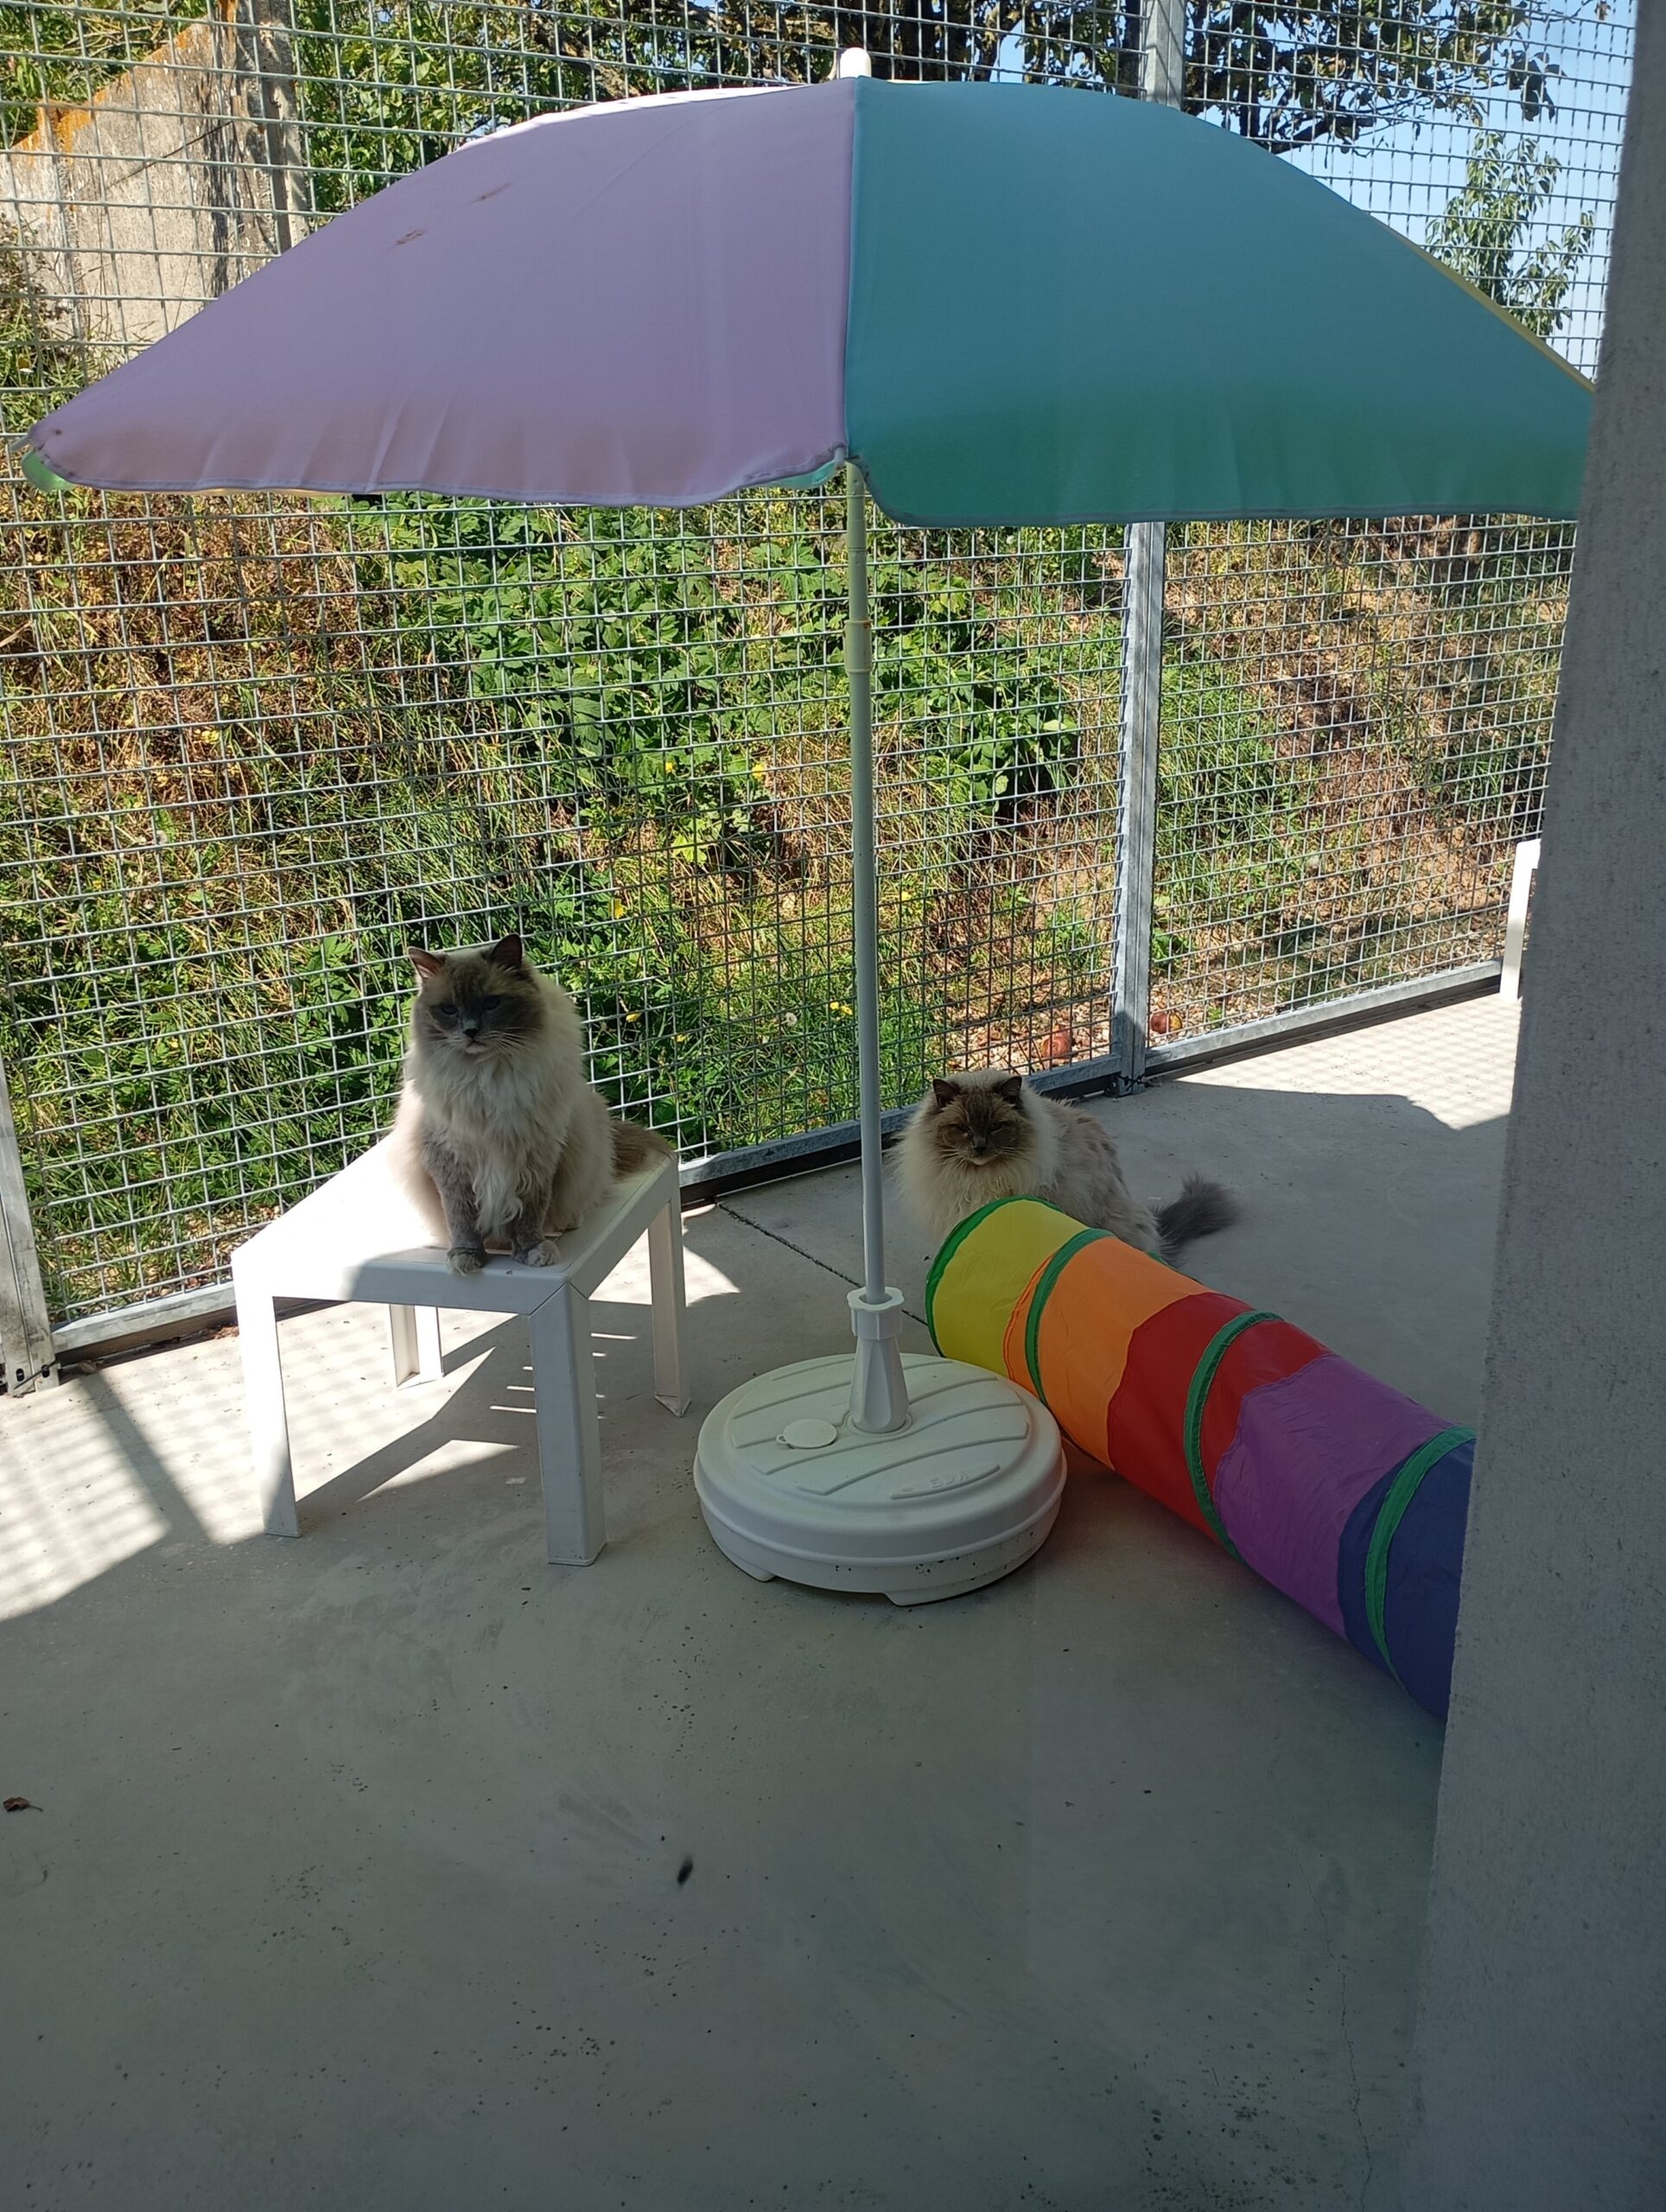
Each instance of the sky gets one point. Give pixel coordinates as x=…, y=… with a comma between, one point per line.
x=1406, y=175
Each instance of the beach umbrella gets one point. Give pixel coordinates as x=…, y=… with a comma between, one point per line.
x=987, y=303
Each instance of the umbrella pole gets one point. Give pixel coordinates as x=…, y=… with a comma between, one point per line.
x=879, y=1396
x=944, y=1498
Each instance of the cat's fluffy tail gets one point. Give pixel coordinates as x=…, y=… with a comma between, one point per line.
x=1201, y=1209
x=635, y=1147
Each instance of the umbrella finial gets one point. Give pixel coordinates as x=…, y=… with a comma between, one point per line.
x=856, y=62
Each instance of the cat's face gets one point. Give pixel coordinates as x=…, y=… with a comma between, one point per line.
x=978, y=1124
x=479, y=1006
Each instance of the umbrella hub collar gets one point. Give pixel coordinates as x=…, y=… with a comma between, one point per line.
x=879, y=1396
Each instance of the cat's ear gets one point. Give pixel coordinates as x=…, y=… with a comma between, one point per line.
x=509, y=952
x=943, y=1091
x=427, y=964
x=1011, y=1088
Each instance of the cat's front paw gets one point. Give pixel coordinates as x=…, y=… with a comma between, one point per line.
x=465, y=1259
x=545, y=1254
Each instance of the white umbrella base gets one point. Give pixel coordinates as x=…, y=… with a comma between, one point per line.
x=960, y=1496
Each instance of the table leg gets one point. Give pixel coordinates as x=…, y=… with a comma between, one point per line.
x=269, y=1425
x=670, y=1306
x=570, y=1432
x=414, y=1334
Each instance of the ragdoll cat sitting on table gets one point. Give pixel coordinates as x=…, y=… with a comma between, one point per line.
x=499, y=1136
x=985, y=1135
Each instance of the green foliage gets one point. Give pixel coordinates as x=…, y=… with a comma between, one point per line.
x=65, y=55
x=601, y=650
x=388, y=88
x=1487, y=232
x=40, y=362
x=992, y=720
x=1282, y=75
x=615, y=656
x=385, y=93
x=625, y=736
x=1229, y=807
x=253, y=775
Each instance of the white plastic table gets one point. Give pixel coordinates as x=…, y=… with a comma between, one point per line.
x=359, y=1238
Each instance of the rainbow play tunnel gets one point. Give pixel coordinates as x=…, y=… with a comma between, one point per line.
x=1347, y=1496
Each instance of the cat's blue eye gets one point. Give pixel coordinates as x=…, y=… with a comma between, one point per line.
x=445, y=1015
x=490, y=1006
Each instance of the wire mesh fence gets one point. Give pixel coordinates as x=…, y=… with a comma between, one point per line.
x=1356, y=718
x=257, y=745
x=1356, y=724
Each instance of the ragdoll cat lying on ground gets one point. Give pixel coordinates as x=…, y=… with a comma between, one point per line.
x=499, y=1136
x=987, y=1135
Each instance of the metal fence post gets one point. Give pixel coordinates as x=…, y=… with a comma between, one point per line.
x=1136, y=806
x=25, y=1325
x=1162, y=68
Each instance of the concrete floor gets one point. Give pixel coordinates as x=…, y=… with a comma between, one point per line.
x=352, y=1877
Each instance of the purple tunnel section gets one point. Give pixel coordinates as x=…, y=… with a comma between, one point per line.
x=1307, y=1449
x=641, y=303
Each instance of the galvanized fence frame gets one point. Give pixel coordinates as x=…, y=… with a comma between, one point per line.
x=1367, y=706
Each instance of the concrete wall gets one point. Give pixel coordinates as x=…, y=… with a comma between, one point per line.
x=179, y=178
x=1541, y=2038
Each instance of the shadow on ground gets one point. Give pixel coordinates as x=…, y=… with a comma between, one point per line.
x=355, y=1875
